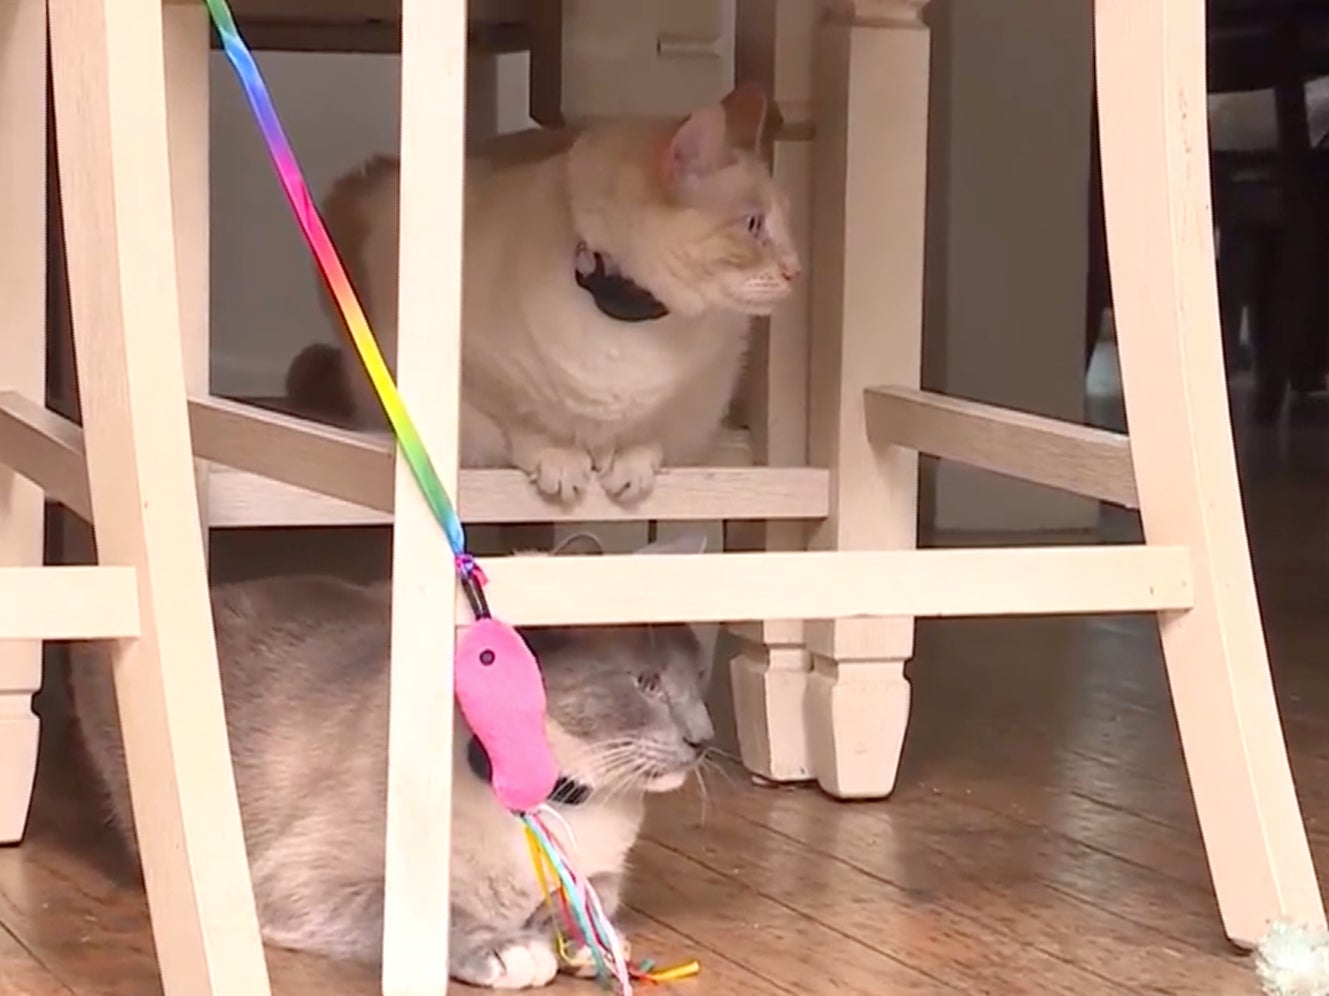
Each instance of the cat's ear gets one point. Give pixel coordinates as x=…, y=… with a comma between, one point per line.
x=699, y=146
x=687, y=543
x=579, y=545
x=746, y=110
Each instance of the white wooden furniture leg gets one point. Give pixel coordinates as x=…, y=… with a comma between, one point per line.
x=415, y=942
x=769, y=675
x=22, y=369
x=867, y=298
x=1151, y=93
x=110, y=97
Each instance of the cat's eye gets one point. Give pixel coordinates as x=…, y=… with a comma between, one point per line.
x=649, y=683
x=754, y=223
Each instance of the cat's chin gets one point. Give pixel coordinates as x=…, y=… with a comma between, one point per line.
x=762, y=308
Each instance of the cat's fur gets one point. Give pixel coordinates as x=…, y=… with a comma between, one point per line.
x=550, y=384
x=304, y=668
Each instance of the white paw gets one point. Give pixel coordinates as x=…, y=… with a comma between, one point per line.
x=524, y=965
x=630, y=476
x=561, y=472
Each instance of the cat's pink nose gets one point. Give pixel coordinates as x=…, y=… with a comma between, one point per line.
x=791, y=271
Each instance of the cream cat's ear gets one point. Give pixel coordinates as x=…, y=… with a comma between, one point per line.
x=687, y=543
x=702, y=143
x=747, y=110
x=579, y=545
x=699, y=146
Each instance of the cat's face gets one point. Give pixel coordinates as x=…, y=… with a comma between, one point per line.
x=628, y=704
x=697, y=218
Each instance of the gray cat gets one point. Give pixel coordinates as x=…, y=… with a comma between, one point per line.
x=304, y=668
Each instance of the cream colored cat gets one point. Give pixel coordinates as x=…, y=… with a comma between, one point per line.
x=551, y=383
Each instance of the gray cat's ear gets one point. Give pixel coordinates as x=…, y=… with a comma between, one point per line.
x=579, y=545
x=685, y=544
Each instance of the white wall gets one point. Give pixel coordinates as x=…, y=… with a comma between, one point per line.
x=337, y=109
x=1012, y=100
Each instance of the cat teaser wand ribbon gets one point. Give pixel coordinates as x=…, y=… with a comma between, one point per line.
x=498, y=684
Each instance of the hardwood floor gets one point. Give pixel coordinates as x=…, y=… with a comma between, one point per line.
x=1042, y=839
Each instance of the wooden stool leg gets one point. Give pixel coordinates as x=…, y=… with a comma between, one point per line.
x=1151, y=91
x=22, y=368
x=110, y=98
x=186, y=39
x=769, y=675
x=415, y=945
x=871, y=170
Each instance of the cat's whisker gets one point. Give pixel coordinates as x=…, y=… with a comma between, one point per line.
x=710, y=762
x=703, y=793
x=629, y=779
x=621, y=776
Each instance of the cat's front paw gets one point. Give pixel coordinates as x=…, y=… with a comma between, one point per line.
x=524, y=964
x=630, y=475
x=559, y=472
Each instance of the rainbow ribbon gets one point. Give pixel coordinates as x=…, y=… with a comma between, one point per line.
x=339, y=284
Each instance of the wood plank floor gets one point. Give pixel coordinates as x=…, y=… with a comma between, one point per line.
x=1042, y=839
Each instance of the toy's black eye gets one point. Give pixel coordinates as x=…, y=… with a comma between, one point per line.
x=649, y=683
x=486, y=657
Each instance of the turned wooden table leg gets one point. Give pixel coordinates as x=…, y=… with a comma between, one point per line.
x=870, y=167
x=22, y=369
x=1151, y=93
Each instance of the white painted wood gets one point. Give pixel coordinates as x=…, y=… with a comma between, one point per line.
x=939, y=583
x=110, y=95
x=68, y=603
x=186, y=41
x=356, y=469
x=240, y=499
x=1151, y=92
x=47, y=449
x=22, y=368
x=433, y=112
x=769, y=674
x=1075, y=458
x=871, y=151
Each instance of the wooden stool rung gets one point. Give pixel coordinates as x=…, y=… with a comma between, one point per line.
x=1081, y=459
x=68, y=603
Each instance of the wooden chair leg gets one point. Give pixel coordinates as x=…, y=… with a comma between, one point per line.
x=22, y=368
x=1151, y=91
x=110, y=98
x=870, y=164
